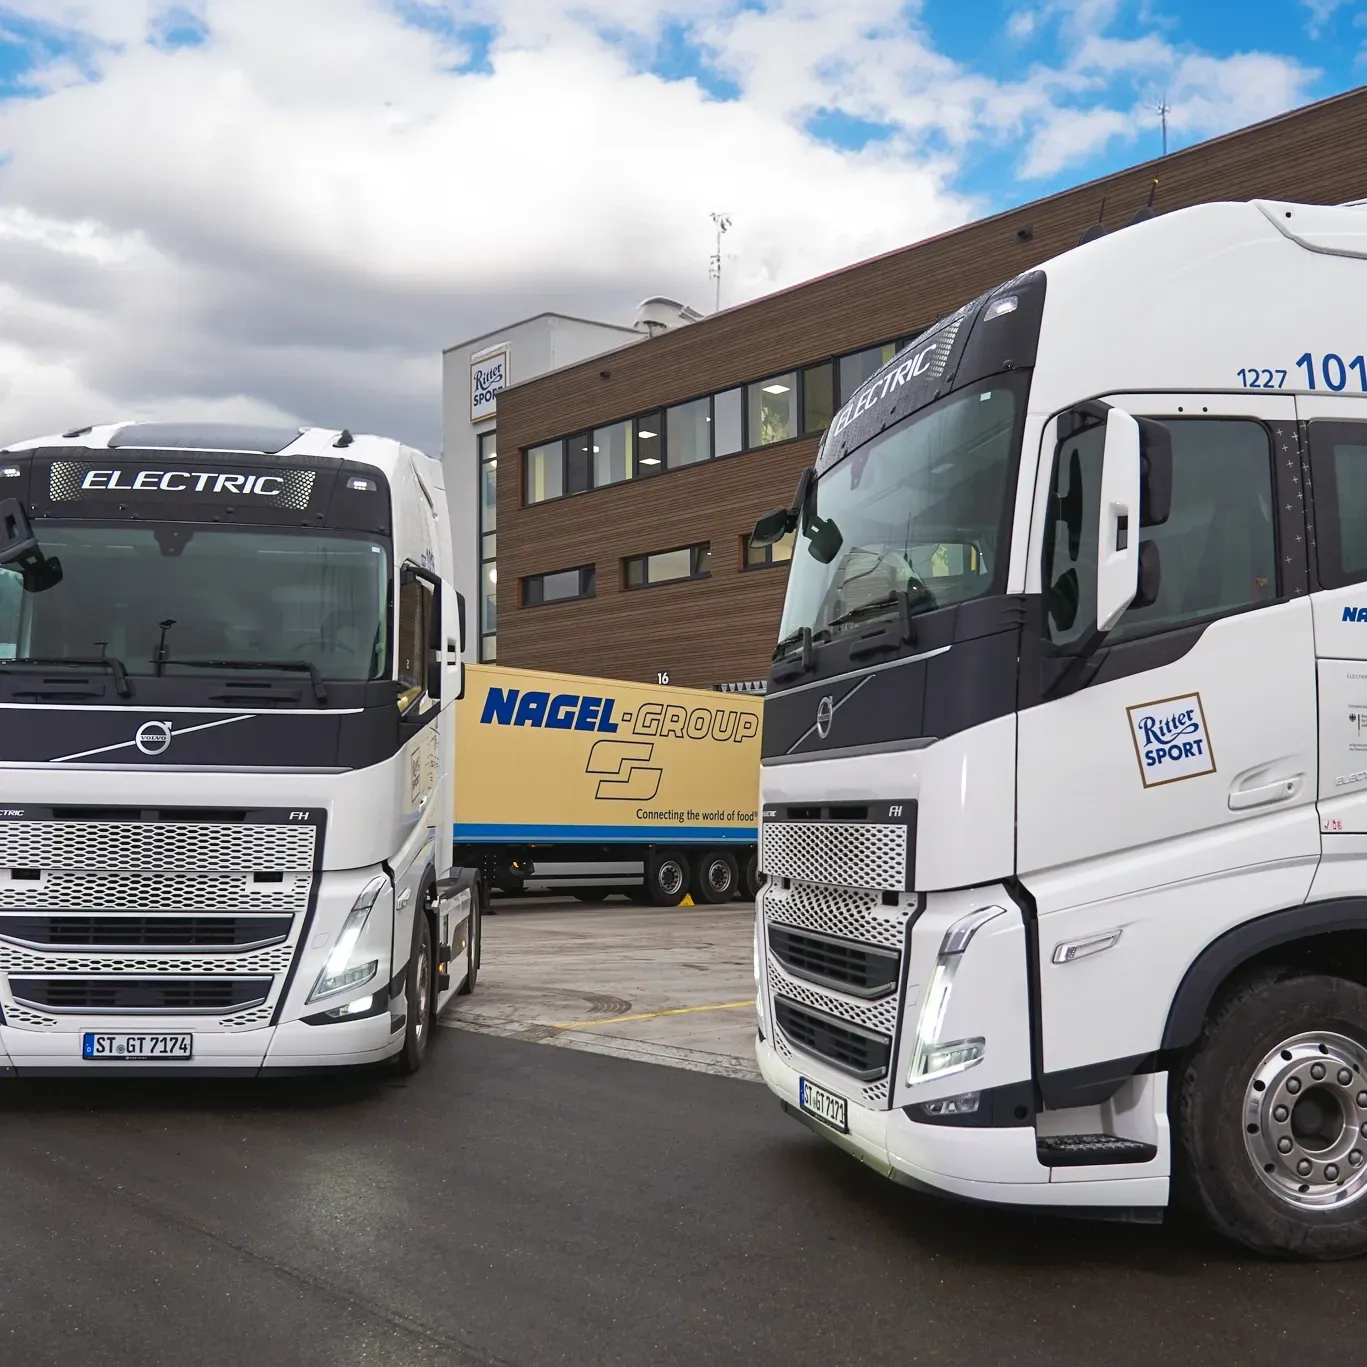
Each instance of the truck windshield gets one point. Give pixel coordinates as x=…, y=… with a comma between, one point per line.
x=137, y=592
x=922, y=510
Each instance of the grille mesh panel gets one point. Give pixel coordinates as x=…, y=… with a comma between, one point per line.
x=71, y=890
x=140, y=994
x=275, y=960
x=168, y=846
x=851, y=915
x=846, y=854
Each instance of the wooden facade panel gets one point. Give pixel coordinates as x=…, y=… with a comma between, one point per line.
x=723, y=628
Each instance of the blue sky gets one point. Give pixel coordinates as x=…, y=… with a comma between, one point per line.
x=285, y=209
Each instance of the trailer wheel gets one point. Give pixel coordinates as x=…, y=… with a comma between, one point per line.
x=667, y=878
x=417, y=996
x=715, y=876
x=1272, y=1117
x=750, y=879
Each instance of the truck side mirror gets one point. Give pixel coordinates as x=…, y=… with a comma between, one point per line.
x=1117, y=561
x=774, y=526
x=460, y=610
x=1155, y=473
x=435, y=652
x=19, y=547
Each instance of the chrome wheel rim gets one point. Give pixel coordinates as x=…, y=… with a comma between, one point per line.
x=1305, y=1120
x=718, y=876
x=670, y=877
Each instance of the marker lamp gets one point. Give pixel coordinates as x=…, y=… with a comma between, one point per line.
x=999, y=307
x=340, y=973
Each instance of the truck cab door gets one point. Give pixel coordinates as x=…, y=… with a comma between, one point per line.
x=1334, y=428
x=1166, y=788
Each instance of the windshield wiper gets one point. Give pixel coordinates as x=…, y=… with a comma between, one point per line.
x=904, y=602
x=802, y=635
x=109, y=662
x=301, y=666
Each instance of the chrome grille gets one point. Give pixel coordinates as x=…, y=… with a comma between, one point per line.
x=845, y=854
x=167, y=846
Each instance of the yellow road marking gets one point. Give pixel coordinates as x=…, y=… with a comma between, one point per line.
x=652, y=1015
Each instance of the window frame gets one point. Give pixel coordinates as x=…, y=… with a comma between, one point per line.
x=486, y=455
x=769, y=562
x=588, y=586
x=1327, y=556
x=1287, y=577
x=644, y=559
x=412, y=692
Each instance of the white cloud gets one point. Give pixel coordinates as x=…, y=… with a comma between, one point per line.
x=292, y=218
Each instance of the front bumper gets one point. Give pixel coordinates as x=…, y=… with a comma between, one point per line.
x=292, y=1045
x=994, y=1165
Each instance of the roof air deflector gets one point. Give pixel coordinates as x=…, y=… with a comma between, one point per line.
x=206, y=436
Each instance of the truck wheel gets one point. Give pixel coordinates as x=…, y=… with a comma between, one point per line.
x=667, y=878
x=1272, y=1116
x=750, y=882
x=417, y=997
x=715, y=876
x=476, y=941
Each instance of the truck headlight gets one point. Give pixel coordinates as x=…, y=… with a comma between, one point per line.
x=340, y=973
x=932, y=1057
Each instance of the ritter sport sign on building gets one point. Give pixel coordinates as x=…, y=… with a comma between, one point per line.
x=488, y=374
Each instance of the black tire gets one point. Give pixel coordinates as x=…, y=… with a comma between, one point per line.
x=1263, y=1101
x=667, y=878
x=476, y=942
x=749, y=876
x=715, y=876
x=419, y=991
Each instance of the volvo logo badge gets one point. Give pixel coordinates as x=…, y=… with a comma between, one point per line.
x=153, y=737
x=825, y=714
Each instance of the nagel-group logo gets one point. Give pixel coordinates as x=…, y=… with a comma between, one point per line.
x=626, y=770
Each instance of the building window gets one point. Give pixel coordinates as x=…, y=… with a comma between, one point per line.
x=487, y=625
x=664, y=567
x=861, y=366
x=650, y=444
x=612, y=454
x=688, y=433
x=545, y=472
x=727, y=413
x=558, y=587
x=756, y=557
x=818, y=397
x=772, y=409
x=578, y=464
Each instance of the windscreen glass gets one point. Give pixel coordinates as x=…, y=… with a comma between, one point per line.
x=148, y=595
x=918, y=518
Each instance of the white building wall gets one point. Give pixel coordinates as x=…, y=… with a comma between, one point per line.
x=535, y=346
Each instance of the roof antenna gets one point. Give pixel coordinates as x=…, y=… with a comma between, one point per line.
x=1148, y=211
x=1098, y=229
x=345, y=439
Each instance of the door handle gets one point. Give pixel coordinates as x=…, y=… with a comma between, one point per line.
x=1280, y=791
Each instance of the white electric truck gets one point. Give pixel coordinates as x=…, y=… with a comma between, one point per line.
x=1064, y=777
x=229, y=658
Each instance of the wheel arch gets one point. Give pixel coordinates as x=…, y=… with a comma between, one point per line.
x=1329, y=936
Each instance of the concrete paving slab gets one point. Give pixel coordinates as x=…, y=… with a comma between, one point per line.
x=673, y=986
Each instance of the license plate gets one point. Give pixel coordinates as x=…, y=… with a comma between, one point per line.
x=119, y=1047
x=826, y=1106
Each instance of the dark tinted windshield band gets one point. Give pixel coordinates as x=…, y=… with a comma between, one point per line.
x=199, y=486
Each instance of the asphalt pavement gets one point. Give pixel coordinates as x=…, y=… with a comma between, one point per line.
x=524, y=1205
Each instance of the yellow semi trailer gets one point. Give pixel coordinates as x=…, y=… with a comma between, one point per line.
x=590, y=785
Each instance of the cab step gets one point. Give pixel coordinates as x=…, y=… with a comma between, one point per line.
x=1091, y=1150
